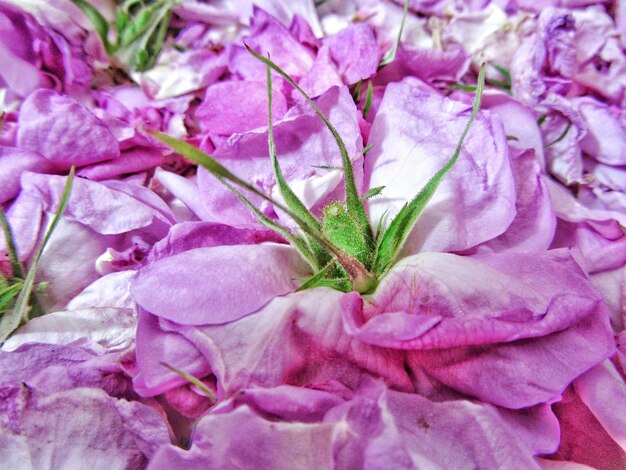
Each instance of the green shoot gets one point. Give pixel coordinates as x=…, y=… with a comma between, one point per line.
x=391, y=55
x=394, y=238
x=370, y=193
x=291, y=199
x=16, y=266
x=193, y=380
x=368, y=99
x=140, y=28
x=353, y=201
x=20, y=312
x=561, y=136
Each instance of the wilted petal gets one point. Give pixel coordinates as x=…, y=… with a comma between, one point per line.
x=606, y=131
x=387, y=429
x=298, y=340
x=242, y=439
x=112, y=290
x=77, y=428
x=111, y=328
x=583, y=438
x=64, y=131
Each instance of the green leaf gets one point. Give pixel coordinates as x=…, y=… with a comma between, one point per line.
x=11, y=321
x=355, y=269
x=292, y=201
x=395, y=236
x=373, y=192
x=141, y=32
x=391, y=55
x=343, y=231
x=194, y=380
x=504, y=72
x=368, y=99
x=98, y=21
x=16, y=266
x=297, y=242
x=353, y=201
x=461, y=87
x=7, y=294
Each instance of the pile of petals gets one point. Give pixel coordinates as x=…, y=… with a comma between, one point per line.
x=167, y=326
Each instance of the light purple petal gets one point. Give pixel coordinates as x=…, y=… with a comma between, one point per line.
x=425, y=64
x=217, y=284
x=77, y=428
x=269, y=36
x=603, y=390
x=156, y=347
x=606, y=131
x=298, y=340
x=64, y=131
x=13, y=162
x=355, y=52
x=533, y=228
x=130, y=161
x=462, y=315
x=105, y=210
x=302, y=142
x=242, y=439
x=238, y=107
x=389, y=429
x=414, y=133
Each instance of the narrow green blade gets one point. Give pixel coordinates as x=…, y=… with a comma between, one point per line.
x=353, y=267
x=98, y=21
x=353, y=200
x=395, y=236
x=194, y=380
x=292, y=201
x=391, y=55
x=11, y=320
x=16, y=266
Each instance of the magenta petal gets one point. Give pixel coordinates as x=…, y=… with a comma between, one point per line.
x=355, y=52
x=64, y=131
x=217, y=284
x=13, y=162
x=297, y=339
x=521, y=374
x=603, y=390
x=238, y=106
